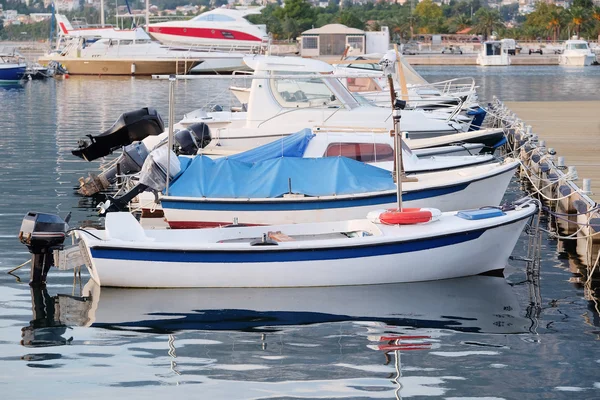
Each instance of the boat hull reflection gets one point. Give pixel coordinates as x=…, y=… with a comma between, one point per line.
x=474, y=304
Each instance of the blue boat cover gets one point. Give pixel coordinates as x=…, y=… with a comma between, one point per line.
x=288, y=146
x=229, y=178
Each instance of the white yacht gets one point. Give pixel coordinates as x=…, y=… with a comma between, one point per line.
x=576, y=53
x=219, y=27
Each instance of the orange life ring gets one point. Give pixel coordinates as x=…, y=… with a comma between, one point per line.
x=407, y=216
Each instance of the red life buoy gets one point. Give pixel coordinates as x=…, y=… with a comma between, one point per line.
x=407, y=216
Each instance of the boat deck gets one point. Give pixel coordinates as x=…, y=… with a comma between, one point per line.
x=570, y=129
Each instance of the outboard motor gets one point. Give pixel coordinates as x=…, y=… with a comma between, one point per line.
x=196, y=136
x=153, y=177
x=130, y=162
x=42, y=234
x=130, y=127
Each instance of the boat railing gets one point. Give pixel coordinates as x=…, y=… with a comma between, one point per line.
x=450, y=86
x=221, y=48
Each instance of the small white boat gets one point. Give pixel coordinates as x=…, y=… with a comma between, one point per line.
x=576, y=53
x=354, y=252
x=493, y=53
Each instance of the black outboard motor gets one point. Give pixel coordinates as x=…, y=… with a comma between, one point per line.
x=130, y=127
x=195, y=137
x=130, y=162
x=42, y=234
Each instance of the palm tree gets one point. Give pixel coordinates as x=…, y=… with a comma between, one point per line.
x=579, y=16
x=596, y=15
x=554, y=22
x=487, y=21
x=462, y=22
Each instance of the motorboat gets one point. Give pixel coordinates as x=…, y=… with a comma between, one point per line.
x=352, y=252
x=283, y=104
x=576, y=53
x=217, y=28
x=494, y=53
x=124, y=57
x=94, y=32
x=12, y=67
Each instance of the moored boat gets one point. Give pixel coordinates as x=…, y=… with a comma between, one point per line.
x=353, y=252
x=12, y=67
x=576, y=53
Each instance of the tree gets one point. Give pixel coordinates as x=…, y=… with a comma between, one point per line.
x=350, y=19
x=578, y=16
x=290, y=27
x=461, y=22
x=555, y=22
x=487, y=21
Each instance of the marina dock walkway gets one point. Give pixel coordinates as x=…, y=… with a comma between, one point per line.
x=573, y=129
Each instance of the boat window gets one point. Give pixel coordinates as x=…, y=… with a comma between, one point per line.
x=362, y=84
x=578, y=46
x=213, y=17
x=227, y=35
x=492, y=49
x=364, y=152
x=295, y=93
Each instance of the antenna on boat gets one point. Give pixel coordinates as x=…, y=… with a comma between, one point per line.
x=172, y=79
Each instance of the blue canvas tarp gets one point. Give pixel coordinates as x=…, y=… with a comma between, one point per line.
x=288, y=146
x=227, y=178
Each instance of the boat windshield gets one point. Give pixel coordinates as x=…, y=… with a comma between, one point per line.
x=577, y=46
x=213, y=18
x=311, y=92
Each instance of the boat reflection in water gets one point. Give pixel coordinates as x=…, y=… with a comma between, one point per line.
x=479, y=304
x=332, y=342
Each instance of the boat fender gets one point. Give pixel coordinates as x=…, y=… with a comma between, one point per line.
x=408, y=216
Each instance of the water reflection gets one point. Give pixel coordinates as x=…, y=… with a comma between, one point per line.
x=475, y=304
x=10, y=86
x=285, y=340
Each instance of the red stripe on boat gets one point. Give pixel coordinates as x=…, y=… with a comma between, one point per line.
x=204, y=33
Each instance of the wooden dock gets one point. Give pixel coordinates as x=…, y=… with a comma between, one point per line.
x=550, y=138
x=572, y=128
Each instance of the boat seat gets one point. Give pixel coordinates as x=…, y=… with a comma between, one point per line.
x=278, y=236
x=124, y=226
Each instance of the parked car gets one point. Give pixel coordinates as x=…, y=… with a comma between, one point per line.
x=531, y=51
x=452, y=50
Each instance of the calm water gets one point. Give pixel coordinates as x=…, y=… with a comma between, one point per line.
x=482, y=337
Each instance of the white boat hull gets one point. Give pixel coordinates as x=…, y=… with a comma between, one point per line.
x=449, y=248
x=579, y=60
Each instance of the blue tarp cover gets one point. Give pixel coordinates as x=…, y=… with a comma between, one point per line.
x=288, y=146
x=230, y=178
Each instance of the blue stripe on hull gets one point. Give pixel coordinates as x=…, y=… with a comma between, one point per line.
x=11, y=74
x=287, y=205
x=275, y=255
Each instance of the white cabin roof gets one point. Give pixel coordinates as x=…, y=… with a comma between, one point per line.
x=334, y=29
x=287, y=64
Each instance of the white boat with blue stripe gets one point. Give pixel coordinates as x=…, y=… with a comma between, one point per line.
x=351, y=252
x=284, y=190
